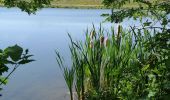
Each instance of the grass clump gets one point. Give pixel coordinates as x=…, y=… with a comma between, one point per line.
x=120, y=65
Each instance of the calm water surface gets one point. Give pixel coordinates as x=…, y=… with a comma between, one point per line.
x=43, y=33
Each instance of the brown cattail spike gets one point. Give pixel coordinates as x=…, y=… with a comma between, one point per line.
x=101, y=40
x=92, y=34
x=91, y=44
x=106, y=41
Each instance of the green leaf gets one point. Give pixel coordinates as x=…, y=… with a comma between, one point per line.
x=3, y=68
x=147, y=23
x=103, y=15
x=145, y=67
x=156, y=71
x=165, y=21
x=25, y=61
x=2, y=79
x=28, y=56
x=14, y=52
x=151, y=94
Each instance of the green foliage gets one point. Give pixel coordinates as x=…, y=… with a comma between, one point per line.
x=154, y=32
x=134, y=64
x=123, y=66
x=13, y=55
x=156, y=9
x=14, y=52
x=29, y=6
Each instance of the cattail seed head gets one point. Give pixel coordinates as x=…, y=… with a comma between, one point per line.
x=101, y=40
x=91, y=44
x=92, y=34
x=118, y=31
x=106, y=41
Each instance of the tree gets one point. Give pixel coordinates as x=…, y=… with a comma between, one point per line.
x=157, y=9
x=29, y=6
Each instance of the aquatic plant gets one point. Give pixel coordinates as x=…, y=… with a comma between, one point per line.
x=124, y=67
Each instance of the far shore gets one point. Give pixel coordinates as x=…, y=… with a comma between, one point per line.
x=83, y=4
x=78, y=6
x=72, y=6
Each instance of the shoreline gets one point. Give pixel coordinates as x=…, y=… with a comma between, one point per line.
x=71, y=6
x=66, y=6
x=76, y=6
x=82, y=6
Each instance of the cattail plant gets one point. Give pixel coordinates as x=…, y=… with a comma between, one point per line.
x=107, y=68
x=101, y=40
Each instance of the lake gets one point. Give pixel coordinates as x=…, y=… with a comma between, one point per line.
x=42, y=34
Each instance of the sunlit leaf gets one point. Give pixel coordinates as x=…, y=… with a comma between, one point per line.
x=145, y=67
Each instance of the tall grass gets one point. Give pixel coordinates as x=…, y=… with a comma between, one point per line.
x=110, y=66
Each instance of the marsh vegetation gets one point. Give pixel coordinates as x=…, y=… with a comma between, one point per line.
x=128, y=64
x=131, y=62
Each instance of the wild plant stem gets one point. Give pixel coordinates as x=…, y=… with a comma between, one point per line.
x=16, y=66
x=82, y=83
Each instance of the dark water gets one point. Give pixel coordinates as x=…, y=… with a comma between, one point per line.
x=43, y=33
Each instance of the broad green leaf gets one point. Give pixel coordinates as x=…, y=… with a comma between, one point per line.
x=14, y=52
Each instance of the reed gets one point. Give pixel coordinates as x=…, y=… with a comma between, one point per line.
x=114, y=65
